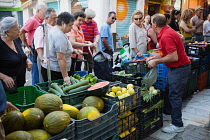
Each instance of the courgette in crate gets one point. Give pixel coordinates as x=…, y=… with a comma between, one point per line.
x=56, y=87
x=51, y=90
x=72, y=81
x=81, y=83
x=81, y=88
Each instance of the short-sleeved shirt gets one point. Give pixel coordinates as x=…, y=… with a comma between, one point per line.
x=30, y=27
x=187, y=36
x=105, y=31
x=194, y=21
x=3, y=103
x=206, y=28
x=39, y=39
x=58, y=42
x=174, y=25
x=90, y=30
x=137, y=39
x=79, y=37
x=169, y=42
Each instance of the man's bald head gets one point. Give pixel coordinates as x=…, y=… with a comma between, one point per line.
x=159, y=19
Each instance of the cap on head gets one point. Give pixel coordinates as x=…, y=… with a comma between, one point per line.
x=198, y=8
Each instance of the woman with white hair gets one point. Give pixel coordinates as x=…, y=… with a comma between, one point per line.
x=13, y=61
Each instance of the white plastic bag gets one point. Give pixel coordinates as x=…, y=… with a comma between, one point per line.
x=125, y=53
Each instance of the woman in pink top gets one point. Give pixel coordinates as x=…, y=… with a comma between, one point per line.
x=77, y=39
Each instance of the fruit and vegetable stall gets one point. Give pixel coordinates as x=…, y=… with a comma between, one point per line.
x=93, y=109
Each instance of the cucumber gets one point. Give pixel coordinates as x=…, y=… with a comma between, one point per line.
x=72, y=81
x=81, y=83
x=76, y=80
x=56, y=87
x=81, y=88
x=51, y=90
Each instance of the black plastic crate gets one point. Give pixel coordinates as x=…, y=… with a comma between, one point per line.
x=127, y=103
x=135, y=80
x=136, y=67
x=195, y=63
x=203, y=60
x=203, y=69
x=100, y=128
x=68, y=133
x=144, y=132
x=196, y=50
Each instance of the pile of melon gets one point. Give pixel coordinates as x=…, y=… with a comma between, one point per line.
x=48, y=117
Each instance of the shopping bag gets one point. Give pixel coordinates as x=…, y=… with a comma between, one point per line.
x=150, y=78
x=125, y=52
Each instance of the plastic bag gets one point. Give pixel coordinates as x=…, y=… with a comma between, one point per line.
x=125, y=53
x=150, y=78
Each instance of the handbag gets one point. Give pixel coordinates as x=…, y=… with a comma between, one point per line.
x=7, y=88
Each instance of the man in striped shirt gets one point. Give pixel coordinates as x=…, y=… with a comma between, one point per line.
x=91, y=33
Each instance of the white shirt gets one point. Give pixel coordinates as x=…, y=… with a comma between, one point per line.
x=206, y=28
x=137, y=39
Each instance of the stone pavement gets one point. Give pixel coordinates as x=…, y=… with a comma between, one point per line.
x=196, y=117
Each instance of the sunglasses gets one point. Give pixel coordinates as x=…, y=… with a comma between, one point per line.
x=138, y=18
x=114, y=18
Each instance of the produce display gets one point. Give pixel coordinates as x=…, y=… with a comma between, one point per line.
x=19, y=135
x=39, y=134
x=89, y=77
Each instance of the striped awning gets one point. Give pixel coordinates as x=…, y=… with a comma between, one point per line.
x=25, y=3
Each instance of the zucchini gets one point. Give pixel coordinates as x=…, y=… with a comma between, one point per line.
x=72, y=81
x=56, y=87
x=81, y=83
x=76, y=80
x=81, y=88
x=51, y=90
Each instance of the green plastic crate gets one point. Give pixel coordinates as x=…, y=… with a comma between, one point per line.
x=72, y=99
x=24, y=97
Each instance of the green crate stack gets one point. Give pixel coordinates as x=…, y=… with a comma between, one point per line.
x=24, y=97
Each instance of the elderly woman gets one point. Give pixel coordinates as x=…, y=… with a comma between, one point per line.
x=13, y=61
x=60, y=49
x=77, y=39
x=138, y=35
x=186, y=28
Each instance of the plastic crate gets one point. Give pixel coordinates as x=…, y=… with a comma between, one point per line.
x=128, y=103
x=153, y=127
x=203, y=69
x=196, y=50
x=81, y=73
x=194, y=62
x=203, y=60
x=68, y=133
x=161, y=82
x=136, y=67
x=162, y=70
x=100, y=128
x=24, y=97
x=135, y=79
x=202, y=81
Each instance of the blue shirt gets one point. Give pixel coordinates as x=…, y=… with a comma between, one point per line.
x=106, y=32
x=3, y=102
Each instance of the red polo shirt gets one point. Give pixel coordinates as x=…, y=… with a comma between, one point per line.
x=90, y=30
x=169, y=42
x=30, y=27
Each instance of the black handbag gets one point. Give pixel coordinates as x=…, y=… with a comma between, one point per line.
x=7, y=88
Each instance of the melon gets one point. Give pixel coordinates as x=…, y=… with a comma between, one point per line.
x=89, y=112
x=48, y=103
x=71, y=110
x=13, y=121
x=19, y=135
x=56, y=121
x=99, y=89
x=33, y=118
x=94, y=101
x=39, y=134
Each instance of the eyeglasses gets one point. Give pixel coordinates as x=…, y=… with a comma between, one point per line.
x=138, y=18
x=114, y=18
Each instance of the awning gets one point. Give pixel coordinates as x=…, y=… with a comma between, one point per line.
x=25, y=3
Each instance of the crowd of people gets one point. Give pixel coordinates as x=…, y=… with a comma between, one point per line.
x=63, y=40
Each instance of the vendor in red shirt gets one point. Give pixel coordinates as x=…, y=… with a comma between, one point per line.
x=175, y=58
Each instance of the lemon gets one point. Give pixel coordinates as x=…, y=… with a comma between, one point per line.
x=112, y=94
x=119, y=93
x=122, y=135
x=119, y=88
x=131, y=91
x=133, y=129
x=130, y=86
x=126, y=95
x=114, y=89
x=124, y=90
x=127, y=132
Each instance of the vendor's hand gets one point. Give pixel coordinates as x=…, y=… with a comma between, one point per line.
x=67, y=80
x=139, y=54
x=10, y=107
x=152, y=63
x=29, y=65
x=8, y=81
